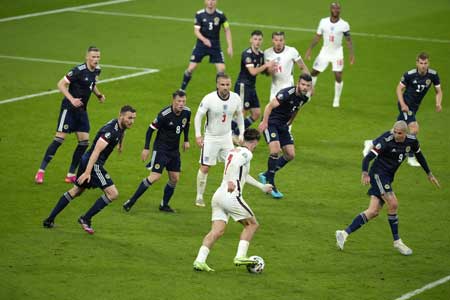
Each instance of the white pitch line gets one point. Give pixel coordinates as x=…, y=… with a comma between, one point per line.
x=66, y=62
x=275, y=27
x=57, y=11
x=424, y=288
x=147, y=71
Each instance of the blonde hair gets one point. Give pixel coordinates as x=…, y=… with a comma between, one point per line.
x=400, y=125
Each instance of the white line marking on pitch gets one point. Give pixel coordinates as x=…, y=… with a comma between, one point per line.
x=373, y=35
x=57, y=11
x=66, y=62
x=424, y=288
x=147, y=71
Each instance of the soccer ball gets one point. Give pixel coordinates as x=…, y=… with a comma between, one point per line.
x=258, y=267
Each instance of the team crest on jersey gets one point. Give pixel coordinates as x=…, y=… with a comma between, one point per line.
x=225, y=107
x=387, y=186
x=216, y=21
x=248, y=60
x=428, y=82
x=407, y=149
x=157, y=166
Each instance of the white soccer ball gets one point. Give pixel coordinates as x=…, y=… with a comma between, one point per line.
x=258, y=267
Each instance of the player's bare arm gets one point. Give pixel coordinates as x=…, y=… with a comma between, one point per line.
x=314, y=42
x=101, y=98
x=200, y=36
x=401, y=100
x=348, y=39
x=267, y=110
x=63, y=86
x=438, y=91
x=302, y=66
x=229, y=39
x=99, y=147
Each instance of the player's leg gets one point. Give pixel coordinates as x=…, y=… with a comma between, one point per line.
x=83, y=144
x=217, y=58
x=174, y=177
x=65, y=199
x=253, y=105
x=209, y=154
x=338, y=67
x=58, y=140
x=413, y=127
x=392, y=207
x=141, y=189
x=202, y=176
x=217, y=230
x=250, y=227
x=320, y=64
x=287, y=145
x=314, y=75
x=371, y=212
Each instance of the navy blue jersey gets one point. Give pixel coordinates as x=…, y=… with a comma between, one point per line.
x=417, y=86
x=210, y=25
x=250, y=58
x=81, y=83
x=290, y=102
x=110, y=133
x=390, y=154
x=170, y=126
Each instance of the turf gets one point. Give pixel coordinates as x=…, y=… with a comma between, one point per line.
x=147, y=254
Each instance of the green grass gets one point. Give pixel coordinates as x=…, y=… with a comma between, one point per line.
x=149, y=255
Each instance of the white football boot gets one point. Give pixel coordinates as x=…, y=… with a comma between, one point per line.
x=341, y=237
x=402, y=248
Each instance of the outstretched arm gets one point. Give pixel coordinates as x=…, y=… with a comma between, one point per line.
x=314, y=42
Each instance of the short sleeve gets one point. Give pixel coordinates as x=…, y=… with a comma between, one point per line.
x=295, y=55
x=72, y=75
x=203, y=107
x=281, y=96
x=223, y=19
x=156, y=124
x=436, y=80
x=320, y=28
x=379, y=145
x=109, y=136
x=405, y=79
x=346, y=27
x=197, y=20
x=247, y=59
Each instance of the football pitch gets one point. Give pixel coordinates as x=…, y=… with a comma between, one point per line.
x=146, y=254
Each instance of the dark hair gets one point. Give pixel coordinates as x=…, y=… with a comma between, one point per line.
x=126, y=108
x=256, y=32
x=179, y=93
x=93, y=49
x=251, y=134
x=423, y=56
x=305, y=77
x=222, y=75
x=277, y=33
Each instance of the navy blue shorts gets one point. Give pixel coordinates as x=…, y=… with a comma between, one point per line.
x=380, y=185
x=164, y=159
x=278, y=133
x=73, y=121
x=99, y=176
x=251, y=99
x=408, y=117
x=200, y=51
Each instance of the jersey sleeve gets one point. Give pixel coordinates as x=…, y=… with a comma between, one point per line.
x=405, y=79
x=295, y=55
x=197, y=20
x=379, y=145
x=415, y=147
x=223, y=19
x=247, y=59
x=203, y=107
x=72, y=75
x=320, y=28
x=157, y=122
x=346, y=29
x=436, y=80
x=281, y=96
x=109, y=135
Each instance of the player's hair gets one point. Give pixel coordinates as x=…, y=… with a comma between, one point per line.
x=179, y=93
x=279, y=33
x=93, y=49
x=422, y=56
x=222, y=75
x=400, y=125
x=256, y=32
x=127, y=108
x=305, y=77
x=251, y=134
x=335, y=3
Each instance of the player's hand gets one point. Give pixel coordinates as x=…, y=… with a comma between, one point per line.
x=262, y=126
x=438, y=108
x=404, y=108
x=101, y=98
x=120, y=148
x=434, y=180
x=186, y=146
x=230, y=51
x=267, y=188
x=144, y=155
x=84, y=178
x=77, y=102
x=365, y=178
x=231, y=187
x=199, y=141
x=308, y=54
x=207, y=43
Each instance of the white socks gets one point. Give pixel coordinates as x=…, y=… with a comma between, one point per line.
x=337, y=93
x=202, y=254
x=314, y=80
x=242, y=248
x=201, y=184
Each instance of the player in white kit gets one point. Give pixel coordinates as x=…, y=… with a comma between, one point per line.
x=285, y=57
x=219, y=107
x=227, y=201
x=332, y=29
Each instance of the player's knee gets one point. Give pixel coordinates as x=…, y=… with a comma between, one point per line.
x=112, y=194
x=393, y=206
x=289, y=156
x=173, y=181
x=372, y=213
x=217, y=233
x=273, y=155
x=255, y=115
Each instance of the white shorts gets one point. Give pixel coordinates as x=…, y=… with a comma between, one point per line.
x=322, y=61
x=215, y=148
x=226, y=204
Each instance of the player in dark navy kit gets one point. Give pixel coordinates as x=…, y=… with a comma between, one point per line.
x=252, y=64
x=92, y=174
x=391, y=148
x=278, y=115
x=169, y=124
x=208, y=22
x=411, y=90
x=77, y=87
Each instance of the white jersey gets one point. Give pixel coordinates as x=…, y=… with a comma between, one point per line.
x=332, y=36
x=237, y=167
x=219, y=114
x=283, y=75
